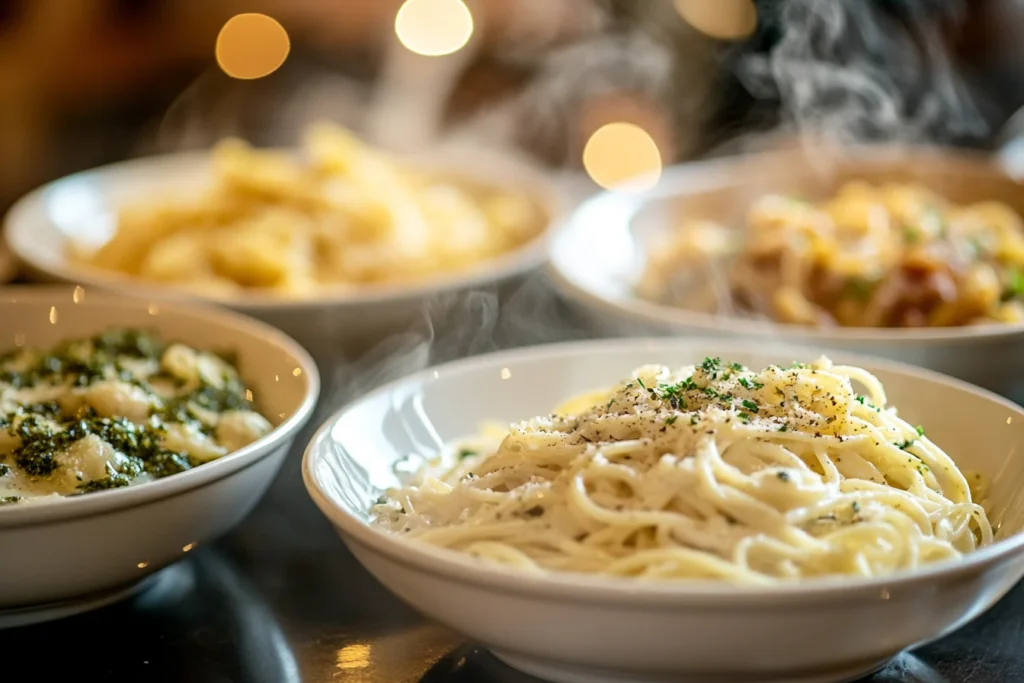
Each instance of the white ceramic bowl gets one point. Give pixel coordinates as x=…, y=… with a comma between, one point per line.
x=575, y=628
x=598, y=255
x=82, y=208
x=75, y=553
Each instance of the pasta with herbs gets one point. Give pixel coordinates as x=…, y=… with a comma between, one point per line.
x=871, y=256
x=118, y=409
x=341, y=217
x=706, y=472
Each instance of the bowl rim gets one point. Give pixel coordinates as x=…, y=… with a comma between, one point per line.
x=102, y=502
x=451, y=565
x=541, y=189
x=710, y=174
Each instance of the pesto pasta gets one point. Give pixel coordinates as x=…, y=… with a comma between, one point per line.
x=118, y=409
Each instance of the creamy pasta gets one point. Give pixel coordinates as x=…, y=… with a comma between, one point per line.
x=118, y=409
x=343, y=216
x=712, y=471
x=871, y=256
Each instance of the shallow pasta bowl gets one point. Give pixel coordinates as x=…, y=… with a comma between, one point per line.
x=572, y=628
x=72, y=554
x=82, y=209
x=601, y=251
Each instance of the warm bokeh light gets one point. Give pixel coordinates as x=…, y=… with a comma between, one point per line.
x=620, y=153
x=721, y=19
x=252, y=46
x=433, y=28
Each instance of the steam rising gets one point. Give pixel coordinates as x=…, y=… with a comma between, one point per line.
x=846, y=70
x=842, y=69
x=456, y=326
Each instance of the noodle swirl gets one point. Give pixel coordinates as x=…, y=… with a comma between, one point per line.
x=712, y=471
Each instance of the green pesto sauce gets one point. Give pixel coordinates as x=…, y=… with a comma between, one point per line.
x=45, y=432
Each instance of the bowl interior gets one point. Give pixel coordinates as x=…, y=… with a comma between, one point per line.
x=82, y=209
x=603, y=247
x=282, y=377
x=358, y=453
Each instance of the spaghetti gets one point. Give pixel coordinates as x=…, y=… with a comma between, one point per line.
x=712, y=471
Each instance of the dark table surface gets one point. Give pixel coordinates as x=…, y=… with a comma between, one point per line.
x=280, y=599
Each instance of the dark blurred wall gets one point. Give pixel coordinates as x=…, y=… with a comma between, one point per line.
x=85, y=82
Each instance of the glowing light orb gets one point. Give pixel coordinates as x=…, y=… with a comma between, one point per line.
x=619, y=153
x=252, y=46
x=433, y=28
x=721, y=19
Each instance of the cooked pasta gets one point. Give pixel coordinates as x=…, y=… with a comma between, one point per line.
x=342, y=217
x=118, y=409
x=707, y=472
x=871, y=256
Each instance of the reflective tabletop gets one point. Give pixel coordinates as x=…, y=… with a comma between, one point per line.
x=280, y=599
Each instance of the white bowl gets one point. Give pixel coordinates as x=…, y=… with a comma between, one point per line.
x=75, y=553
x=575, y=628
x=83, y=207
x=598, y=255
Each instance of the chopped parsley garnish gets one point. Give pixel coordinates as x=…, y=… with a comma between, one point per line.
x=669, y=390
x=736, y=367
x=865, y=402
x=744, y=416
x=855, y=507
x=641, y=383
x=907, y=443
x=749, y=405
x=9, y=499
x=466, y=453
x=4, y=469
x=750, y=383
x=711, y=365
x=673, y=393
x=671, y=419
x=783, y=428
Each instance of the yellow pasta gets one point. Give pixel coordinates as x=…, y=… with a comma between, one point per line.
x=343, y=215
x=870, y=256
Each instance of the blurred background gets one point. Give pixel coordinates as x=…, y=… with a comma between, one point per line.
x=609, y=86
